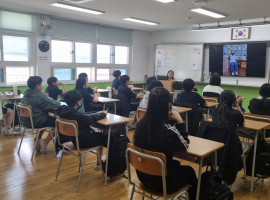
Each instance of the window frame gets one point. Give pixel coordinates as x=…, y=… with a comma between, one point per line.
x=31, y=53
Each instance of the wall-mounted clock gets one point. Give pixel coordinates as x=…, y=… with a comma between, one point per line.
x=44, y=46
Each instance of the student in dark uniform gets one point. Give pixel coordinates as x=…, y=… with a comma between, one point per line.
x=53, y=90
x=88, y=100
x=89, y=89
x=125, y=90
x=156, y=132
x=225, y=114
x=116, y=82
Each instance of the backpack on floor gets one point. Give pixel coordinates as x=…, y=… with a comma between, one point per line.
x=213, y=187
x=117, y=154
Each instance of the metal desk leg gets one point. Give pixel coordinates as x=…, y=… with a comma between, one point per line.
x=104, y=106
x=187, y=121
x=254, y=160
x=126, y=129
x=207, y=116
x=199, y=179
x=108, y=151
x=216, y=160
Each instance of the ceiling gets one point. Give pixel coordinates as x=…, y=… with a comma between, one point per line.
x=170, y=16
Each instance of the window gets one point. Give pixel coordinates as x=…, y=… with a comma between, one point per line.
x=90, y=71
x=63, y=74
x=1, y=75
x=16, y=48
x=103, y=74
x=18, y=74
x=61, y=51
x=83, y=52
x=123, y=71
x=104, y=54
x=121, y=55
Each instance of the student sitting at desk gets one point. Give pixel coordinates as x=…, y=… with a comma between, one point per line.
x=213, y=89
x=125, y=90
x=53, y=90
x=189, y=97
x=89, y=89
x=170, y=75
x=149, y=80
x=225, y=114
x=261, y=105
x=8, y=115
x=155, y=133
x=87, y=136
x=116, y=82
x=82, y=87
x=41, y=104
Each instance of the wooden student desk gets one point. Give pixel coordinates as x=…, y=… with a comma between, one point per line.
x=107, y=123
x=184, y=110
x=104, y=92
x=209, y=105
x=106, y=100
x=136, y=89
x=257, y=127
x=201, y=148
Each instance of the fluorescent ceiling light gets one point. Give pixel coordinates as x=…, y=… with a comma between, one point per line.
x=166, y=1
x=207, y=12
x=132, y=19
x=77, y=8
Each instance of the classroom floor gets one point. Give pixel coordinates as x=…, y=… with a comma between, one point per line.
x=22, y=179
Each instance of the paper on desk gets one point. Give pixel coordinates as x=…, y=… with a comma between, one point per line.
x=197, y=67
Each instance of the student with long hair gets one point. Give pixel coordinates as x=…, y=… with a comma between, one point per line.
x=170, y=75
x=225, y=114
x=154, y=132
x=261, y=105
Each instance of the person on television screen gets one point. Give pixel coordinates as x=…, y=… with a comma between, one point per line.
x=233, y=63
x=170, y=75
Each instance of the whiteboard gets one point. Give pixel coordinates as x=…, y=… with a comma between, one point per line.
x=186, y=60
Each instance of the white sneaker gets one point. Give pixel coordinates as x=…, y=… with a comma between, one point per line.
x=43, y=146
x=236, y=73
x=59, y=154
x=232, y=73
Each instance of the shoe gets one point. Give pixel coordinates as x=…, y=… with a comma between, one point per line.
x=59, y=154
x=232, y=73
x=43, y=146
x=236, y=73
x=37, y=146
x=98, y=166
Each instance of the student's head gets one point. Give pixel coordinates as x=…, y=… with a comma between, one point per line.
x=117, y=73
x=215, y=79
x=149, y=127
x=72, y=98
x=188, y=84
x=124, y=79
x=149, y=80
x=52, y=81
x=81, y=83
x=35, y=82
x=227, y=99
x=154, y=84
x=83, y=75
x=170, y=74
x=265, y=90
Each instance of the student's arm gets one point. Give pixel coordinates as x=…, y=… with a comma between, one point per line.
x=131, y=94
x=139, y=96
x=91, y=118
x=95, y=99
x=64, y=87
x=201, y=100
x=47, y=103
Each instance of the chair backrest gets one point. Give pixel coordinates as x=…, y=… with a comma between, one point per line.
x=1, y=111
x=140, y=112
x=148, y=162
x=210, y=99
x=25, y=111
x=67, y=128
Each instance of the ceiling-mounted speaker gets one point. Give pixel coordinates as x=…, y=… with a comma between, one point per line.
x=200, y=2
x=78, y=1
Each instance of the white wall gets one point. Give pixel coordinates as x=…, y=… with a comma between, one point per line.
x=141, y=49
x=258, y=33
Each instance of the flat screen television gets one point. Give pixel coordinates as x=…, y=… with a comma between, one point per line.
x=238, y=59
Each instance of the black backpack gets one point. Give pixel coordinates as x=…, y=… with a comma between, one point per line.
x=177, y=85
x=117, y=155
x=212, y=186
x=262, y=164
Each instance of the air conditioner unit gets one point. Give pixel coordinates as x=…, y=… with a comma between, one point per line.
x=78, y=1
x=200, y=2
